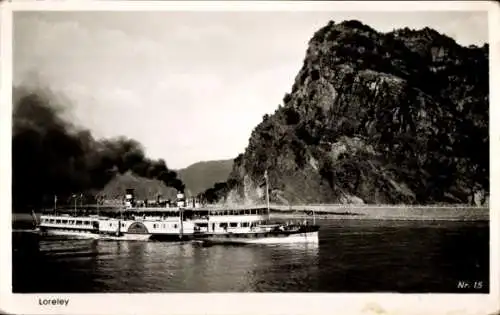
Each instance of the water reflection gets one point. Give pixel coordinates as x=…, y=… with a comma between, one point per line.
x=352, y=256
x=291, y=267
x=189, y=267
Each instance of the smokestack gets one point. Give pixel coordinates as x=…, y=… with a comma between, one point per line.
x=181, y=201
x=129, y=198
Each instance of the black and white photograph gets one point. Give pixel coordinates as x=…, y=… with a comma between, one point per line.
x=223, y=149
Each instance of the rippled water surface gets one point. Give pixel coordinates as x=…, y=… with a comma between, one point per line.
x=352, y=256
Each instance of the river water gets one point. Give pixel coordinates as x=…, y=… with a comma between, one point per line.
x=352, y=256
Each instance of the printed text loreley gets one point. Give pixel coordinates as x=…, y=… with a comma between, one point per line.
x=53, y=301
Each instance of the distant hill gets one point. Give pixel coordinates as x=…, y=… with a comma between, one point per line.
x=144, y=188
x=374, y=118
x=202, y=175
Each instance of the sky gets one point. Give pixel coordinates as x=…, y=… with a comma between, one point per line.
x=190, y=86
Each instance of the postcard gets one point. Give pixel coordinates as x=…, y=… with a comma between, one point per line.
x=249, y=157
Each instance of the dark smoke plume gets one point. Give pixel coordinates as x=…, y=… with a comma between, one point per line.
x=50, y=156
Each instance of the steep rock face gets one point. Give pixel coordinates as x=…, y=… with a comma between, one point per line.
x=400, y=117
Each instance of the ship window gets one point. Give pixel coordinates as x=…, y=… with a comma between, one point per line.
x=51, y=220
x=123, y=224
x=87, y=222
x=254, y=211
x=233, y=224
x=155, y=226
x=110, y=224
x=58, y=221
x=175, y=226
x=247, y=211
x=64, y=221
x=222, y=225
x=244, y=224
x=78, y=222
x=163, y=225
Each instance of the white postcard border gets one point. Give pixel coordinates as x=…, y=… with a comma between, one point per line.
x=247, y=303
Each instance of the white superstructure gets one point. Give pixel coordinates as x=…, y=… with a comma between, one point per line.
x=250, y=226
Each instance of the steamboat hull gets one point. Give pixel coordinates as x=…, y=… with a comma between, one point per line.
x=69, y=233
x=171, y=237
x=306, y=235
x=125, y=237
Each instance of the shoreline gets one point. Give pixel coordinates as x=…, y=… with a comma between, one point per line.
x=362, y=212
x=382, y=212
x=375, y=218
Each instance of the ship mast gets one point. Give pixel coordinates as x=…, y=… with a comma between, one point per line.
x=181, y=204
x=267, y=193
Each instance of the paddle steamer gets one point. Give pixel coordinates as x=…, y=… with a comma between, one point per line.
x=216, y=225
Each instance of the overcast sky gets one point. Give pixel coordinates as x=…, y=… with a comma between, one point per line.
x=190, y=86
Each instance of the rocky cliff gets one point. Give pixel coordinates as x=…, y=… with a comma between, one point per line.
x=399, y=117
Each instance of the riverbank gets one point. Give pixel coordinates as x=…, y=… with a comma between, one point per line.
x=351, y=212
x=379, y=212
